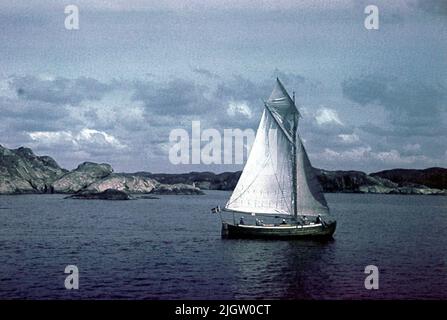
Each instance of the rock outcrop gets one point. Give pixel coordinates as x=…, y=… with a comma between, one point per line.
x=435, y=178
x=81, y=177
x=109, y=194
x=124, y=182
x=21, y=171
x=202, y=180
x=352, y=182
x=177, y=189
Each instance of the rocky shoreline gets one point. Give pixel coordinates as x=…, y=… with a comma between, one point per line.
x=431, y=181
x=21, y=172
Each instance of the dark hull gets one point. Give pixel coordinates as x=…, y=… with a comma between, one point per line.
x=279, y=232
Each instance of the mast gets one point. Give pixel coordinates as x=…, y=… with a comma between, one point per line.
x=294, y=173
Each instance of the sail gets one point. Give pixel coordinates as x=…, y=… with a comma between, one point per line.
x=310, y=197
x=265, y=185
x=283, y=109
x=267, y=182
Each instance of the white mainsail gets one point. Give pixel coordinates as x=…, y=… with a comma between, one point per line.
x=265, y=185
x=268, y=181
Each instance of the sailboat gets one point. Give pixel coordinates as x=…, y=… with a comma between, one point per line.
x=278, y=182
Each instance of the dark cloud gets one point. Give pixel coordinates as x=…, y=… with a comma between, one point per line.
x=178, y=96
x=205, y=72
x=366, y=89
x=436, y=130
x=20, y=115
x=438, y=7
x=240, y=88
x=414, y=106
x=24, y=20
x=59, y=90
x=168, y=103
x=289, y=79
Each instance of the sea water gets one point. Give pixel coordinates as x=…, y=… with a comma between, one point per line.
x=171, y=248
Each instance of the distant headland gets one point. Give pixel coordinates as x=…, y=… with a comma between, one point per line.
x=22, y=172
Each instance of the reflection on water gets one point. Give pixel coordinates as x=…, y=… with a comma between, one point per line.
x=306, y=264
x=171, y=248
x=282, y=268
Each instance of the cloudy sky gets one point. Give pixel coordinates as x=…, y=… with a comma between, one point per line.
x=114, y=89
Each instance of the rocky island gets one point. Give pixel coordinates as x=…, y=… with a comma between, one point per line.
x=21, y=171
x=109, y=194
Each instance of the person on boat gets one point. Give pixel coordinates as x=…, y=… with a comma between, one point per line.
x=319, y=220
x=258, y=222
x=283, y=221
x=241, y=221
x=305, y=220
